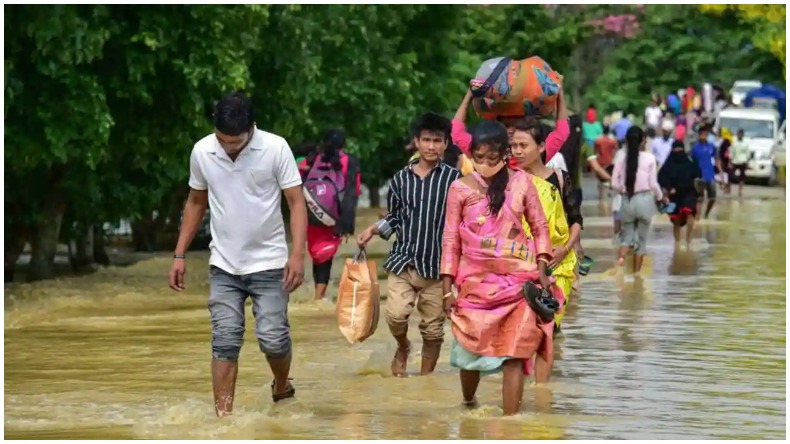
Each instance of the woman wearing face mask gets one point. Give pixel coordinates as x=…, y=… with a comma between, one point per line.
x=635, y=178
x=562, y=209
x=486, y=254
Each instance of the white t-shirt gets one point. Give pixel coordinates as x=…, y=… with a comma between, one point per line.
x=558, y=161
x=247, y=229
x=661, y=149
x=653, y=115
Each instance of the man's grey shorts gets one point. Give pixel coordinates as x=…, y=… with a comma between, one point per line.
x=269, y=306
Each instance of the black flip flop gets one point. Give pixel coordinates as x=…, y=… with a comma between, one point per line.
x=285, y=395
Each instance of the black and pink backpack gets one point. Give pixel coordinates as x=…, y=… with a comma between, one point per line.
x=323, y=190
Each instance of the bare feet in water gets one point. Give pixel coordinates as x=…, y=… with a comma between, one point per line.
x=471, y=403
x=400, y=360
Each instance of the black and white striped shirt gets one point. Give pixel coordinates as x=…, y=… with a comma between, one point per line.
x=417, y=209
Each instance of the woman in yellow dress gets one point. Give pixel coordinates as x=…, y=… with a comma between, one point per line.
x=562, y=211
x=556, y=198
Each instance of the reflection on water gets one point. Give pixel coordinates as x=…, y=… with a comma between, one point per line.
x=694, y=348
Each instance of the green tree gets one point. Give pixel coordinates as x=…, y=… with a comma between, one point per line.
x=676, y=47
x=102, y=106
x=103, y=103
x=767, y=21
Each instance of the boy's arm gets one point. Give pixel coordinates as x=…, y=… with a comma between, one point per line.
x=386, y=226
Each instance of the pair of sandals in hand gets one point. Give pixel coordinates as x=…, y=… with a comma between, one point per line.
x=542, y=302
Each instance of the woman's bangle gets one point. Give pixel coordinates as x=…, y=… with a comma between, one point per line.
x=546, y=261
x=447, y=295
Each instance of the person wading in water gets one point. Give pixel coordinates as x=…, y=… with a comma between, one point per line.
x=241, y=171
x=563, y=211
x=635, y=178
x=488, y=257
x=416, y=203
x=677, y=177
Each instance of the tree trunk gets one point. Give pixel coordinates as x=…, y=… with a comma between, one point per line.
x=100, y=255
x=44, y=239
x=84, y=249
x=375, y=197
x=144, y=234
x=578, y=76
x=15, y=241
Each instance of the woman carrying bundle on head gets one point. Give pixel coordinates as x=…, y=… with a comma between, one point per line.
x=501, y=317
x=508, y=90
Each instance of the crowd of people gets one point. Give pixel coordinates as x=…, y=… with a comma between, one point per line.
x=487, y=225
x=677, y=159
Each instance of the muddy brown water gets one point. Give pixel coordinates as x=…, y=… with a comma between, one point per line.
x=694, y=349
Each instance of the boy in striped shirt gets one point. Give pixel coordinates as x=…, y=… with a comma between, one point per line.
x=416, y=204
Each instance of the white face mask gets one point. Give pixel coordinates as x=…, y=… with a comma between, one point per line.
x=488, y=171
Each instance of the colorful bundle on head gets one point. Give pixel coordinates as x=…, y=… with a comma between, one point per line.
x=515, y=88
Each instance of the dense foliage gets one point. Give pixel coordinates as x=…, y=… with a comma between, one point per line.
x=103, y=103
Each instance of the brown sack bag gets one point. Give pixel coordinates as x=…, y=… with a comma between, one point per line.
x=358, y=302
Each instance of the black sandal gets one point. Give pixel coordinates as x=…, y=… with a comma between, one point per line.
x=286, y=394
x=542, y=302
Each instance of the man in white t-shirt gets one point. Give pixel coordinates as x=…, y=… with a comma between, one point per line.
x=662, y=146
x=653, y=114
x=241, y=172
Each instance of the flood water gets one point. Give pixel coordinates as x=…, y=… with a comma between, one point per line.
x=695, y=349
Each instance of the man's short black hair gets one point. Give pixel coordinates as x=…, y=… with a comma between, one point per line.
x=434, y=123
x=233, y=114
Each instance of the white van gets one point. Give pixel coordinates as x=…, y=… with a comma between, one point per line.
x=760, y=127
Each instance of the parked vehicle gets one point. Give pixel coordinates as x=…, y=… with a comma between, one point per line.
x=742, y=87
x=761, y=129
x=767, y=96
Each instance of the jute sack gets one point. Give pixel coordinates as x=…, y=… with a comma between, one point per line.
x=358, y=303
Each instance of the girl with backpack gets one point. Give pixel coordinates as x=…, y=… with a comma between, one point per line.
x=332, y=185
x=301, y=152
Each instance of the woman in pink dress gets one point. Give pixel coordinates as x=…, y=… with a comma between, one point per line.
x=486, y=254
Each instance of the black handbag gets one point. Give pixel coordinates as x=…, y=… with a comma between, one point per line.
x=542, y=302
